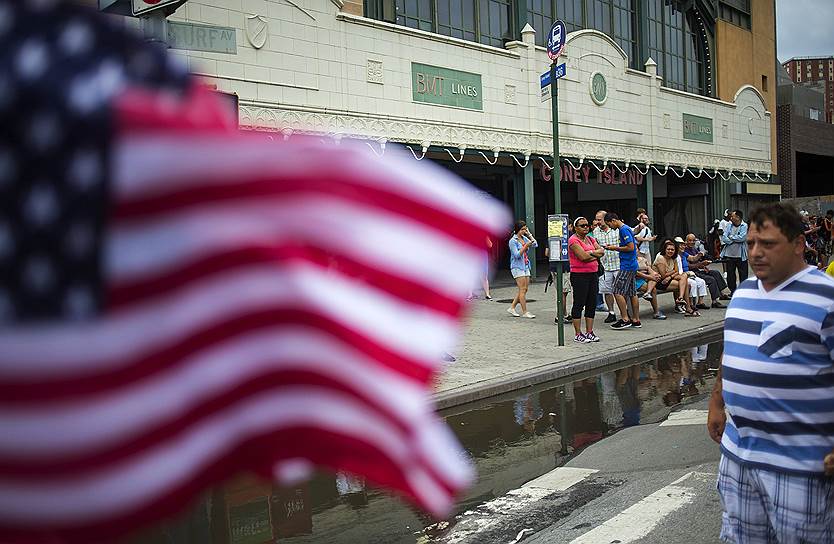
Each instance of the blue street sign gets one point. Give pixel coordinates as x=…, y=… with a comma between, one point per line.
x=560, y=72
x=556, y=39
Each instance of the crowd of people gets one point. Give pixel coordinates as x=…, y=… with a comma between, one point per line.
x=610, y=269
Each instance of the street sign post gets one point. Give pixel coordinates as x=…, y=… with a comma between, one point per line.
x=555, y=45
x=545, y=80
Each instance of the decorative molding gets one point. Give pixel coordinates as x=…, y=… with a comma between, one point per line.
x=374, y=72
x=509, y=94
x=408, y=131
x=257, y=30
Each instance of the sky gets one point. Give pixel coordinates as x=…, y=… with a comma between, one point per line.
x=804, y=28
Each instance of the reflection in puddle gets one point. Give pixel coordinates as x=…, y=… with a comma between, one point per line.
x=511, y=442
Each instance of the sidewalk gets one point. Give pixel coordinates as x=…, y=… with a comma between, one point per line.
x=501, y=353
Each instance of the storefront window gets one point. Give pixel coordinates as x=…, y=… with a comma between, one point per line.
x=495, y=17
x=457, y=19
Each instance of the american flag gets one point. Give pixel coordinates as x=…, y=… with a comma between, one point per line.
x=181, y=302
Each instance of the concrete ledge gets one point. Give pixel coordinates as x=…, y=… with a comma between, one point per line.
x=618, y=356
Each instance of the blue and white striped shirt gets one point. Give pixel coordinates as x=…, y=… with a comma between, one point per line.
x=777, y=373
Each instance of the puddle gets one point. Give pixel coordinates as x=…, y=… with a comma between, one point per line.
x=510, y=441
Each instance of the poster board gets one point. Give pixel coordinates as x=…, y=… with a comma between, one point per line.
x=557, y=236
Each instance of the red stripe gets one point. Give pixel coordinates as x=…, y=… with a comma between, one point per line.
x=343, y=186
x=329, y=449
x=44, y=390
x=66, y=465
x=167, y=281
x=199, y=112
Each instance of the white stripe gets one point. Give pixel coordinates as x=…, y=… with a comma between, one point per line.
x=411, y=330
x=560, y=479
x=686, y=417
x=147, y=164
x=639, y=519
x=776, y=393
x=489, y=514
x=151, y=473
x=752, y=340
x=373, y=237
x=99, y=421
x=788, y=440
x=776, y=366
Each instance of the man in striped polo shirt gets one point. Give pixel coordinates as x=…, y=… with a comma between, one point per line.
x=777, y=386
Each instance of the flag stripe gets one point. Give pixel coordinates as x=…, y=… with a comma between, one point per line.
x=380, y=325
x=171, y=280
x=363, y=234
x=150, y=472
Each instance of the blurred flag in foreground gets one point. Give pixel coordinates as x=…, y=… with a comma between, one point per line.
x=180, y=302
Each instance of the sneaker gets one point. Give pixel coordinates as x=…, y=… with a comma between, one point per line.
x=659, y=315
x=528, y=315
x=487, y=297
x=680, y=307
x=647, y=296
x=611, y=318
x=580, y=338
x=512, y=312
x=725, y=297
x=568, y=319
x=702, y=306
x=620, y=325
x=601, y=308
x=592, y=337
x=636, y=325
x=717, y=304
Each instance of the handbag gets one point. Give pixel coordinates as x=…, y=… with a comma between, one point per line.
x=600, y=268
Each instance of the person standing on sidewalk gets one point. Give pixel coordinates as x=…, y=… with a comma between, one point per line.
x=771, y=406
x=606, y=236
x=734, y=249
x=520, y=242
x=583, y=252
x=625, y=291
x=644, y=236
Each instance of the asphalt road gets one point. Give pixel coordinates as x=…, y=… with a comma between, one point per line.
x=645, y=484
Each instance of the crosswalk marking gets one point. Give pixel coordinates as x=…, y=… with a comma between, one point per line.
x=560, y=479
x=686, y=417
x=640, y=519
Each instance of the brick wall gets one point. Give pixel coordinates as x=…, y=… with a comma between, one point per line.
x=784, y=150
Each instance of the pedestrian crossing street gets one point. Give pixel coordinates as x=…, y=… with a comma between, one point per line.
x=584, y=505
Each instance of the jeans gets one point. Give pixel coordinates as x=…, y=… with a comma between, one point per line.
x=735, y=264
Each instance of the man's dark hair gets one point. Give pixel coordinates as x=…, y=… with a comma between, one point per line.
x=783, y=216
x=739, y=214
x=611, y=216
x=829, y=213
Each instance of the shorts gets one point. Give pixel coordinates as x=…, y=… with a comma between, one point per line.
x=639, y=283
x=606, y=282
x=518, y=273
x=624, y=284
x=566, y=288
x=768, y=506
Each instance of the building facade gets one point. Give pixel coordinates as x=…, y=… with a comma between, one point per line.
x=646, y=113
x=816, y=72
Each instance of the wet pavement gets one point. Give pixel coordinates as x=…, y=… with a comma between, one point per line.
x=511, y=441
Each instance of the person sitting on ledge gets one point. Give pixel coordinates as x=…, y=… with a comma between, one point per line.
x=698, y=261
x=647, y=279
x=672, y=280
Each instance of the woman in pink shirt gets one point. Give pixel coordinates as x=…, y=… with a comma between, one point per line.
x=583, y=254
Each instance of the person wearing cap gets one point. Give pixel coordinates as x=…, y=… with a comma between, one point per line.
x=697, y=286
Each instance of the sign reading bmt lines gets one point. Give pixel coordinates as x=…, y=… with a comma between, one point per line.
x=697, y=128
x=445, y=87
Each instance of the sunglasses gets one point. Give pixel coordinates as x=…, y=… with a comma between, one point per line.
x=585, y=225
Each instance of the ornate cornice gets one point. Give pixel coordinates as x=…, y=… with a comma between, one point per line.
x=455, y=136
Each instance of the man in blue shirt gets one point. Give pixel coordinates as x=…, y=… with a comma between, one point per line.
x=734, y=249
x=624, y=286
x=773, y=399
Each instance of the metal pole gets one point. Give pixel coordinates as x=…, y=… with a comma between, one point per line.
x=557, y=193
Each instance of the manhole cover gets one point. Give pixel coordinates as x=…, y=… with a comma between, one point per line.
x=509, y=300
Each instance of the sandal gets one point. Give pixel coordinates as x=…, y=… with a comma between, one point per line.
x=692, y=313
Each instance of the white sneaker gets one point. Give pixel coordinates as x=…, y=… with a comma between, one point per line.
x=512, y=312
x=528, y=315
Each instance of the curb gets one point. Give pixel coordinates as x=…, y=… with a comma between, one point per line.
x=619, y=357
